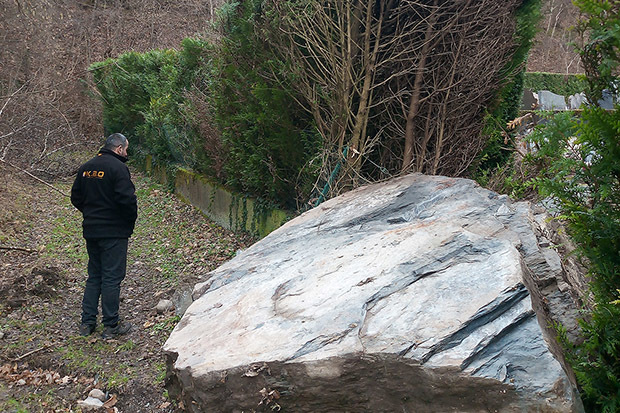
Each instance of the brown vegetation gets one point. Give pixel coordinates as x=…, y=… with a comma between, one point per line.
x=45, y=49
x=45, y=366
x=47, y=111
x=553, y=49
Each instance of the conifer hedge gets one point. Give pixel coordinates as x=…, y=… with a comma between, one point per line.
x=580, y=155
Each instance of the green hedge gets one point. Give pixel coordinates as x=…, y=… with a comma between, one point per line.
x=269, y=139
x=586, y=186
x=557, y=83
x=143, y=94
x=257, y=135
x=508, y=101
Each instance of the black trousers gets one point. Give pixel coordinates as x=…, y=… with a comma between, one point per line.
x=107, y=266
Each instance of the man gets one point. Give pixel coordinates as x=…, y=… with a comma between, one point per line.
x=105, y=195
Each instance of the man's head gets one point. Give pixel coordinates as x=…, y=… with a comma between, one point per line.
x=117, y=143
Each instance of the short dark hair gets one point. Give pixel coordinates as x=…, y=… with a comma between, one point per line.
x=115, y=140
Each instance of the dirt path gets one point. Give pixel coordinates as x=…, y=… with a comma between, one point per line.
x=45, y=366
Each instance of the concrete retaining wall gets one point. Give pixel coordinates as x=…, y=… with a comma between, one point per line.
x=223, y=206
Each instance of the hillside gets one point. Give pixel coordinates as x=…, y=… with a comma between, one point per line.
x=553, y=49
x=49, y=123
x=45, y=49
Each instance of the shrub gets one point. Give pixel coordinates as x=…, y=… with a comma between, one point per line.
x=558, y=83
x=268, y=138
x=142, y=95
x=127, y=85
x=506, y=108
x=581, y=160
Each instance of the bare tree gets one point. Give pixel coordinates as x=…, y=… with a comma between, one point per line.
x=402, y=84
x=459, y=53
x=334, y=47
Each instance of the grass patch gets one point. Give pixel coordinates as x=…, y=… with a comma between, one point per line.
x=65, y=236
x=126, y=346
x=87, y=355
x=172, y=243
x=118, y=377
x=15, y=406
x=160, y=368
x=166, y=326
x=32, y=402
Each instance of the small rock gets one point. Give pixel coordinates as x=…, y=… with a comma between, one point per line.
x=90, y=404
x=164, y=306
x=1, y=335
x=97, y=394
x=182, y=299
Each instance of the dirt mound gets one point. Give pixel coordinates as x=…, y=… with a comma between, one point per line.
x=39, y=281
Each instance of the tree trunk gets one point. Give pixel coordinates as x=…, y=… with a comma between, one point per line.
x=415, y=96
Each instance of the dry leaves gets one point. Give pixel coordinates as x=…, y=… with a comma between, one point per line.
x=11, y=374
x=110, y=402
x=268, y=397
x=255, y=369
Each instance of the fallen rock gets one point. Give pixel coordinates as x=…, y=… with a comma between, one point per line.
x=551, y=101
x=90, y=403
x=607, y=101
x=182, y=299
x=421, y=294
x=164, y=306
x=529, y=101
x=97, y=394
x=575, y=101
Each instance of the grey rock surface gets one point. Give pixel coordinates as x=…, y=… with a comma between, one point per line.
x=529, y=100
x=422, y=294
x=607, y=101
x=182, y=299
x=551, y=101
x=97, y=394
x=575, y=101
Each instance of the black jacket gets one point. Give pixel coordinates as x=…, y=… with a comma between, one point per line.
x=105, y=195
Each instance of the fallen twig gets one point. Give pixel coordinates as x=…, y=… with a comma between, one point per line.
x=2, y=247
x=34, y=177
x=30, y=353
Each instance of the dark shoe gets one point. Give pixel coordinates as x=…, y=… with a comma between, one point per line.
x=86, y=329
x=122, y=327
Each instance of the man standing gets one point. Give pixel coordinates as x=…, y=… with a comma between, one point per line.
x=105, y=195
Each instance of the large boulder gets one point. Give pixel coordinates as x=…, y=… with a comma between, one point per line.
x=422, y=294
